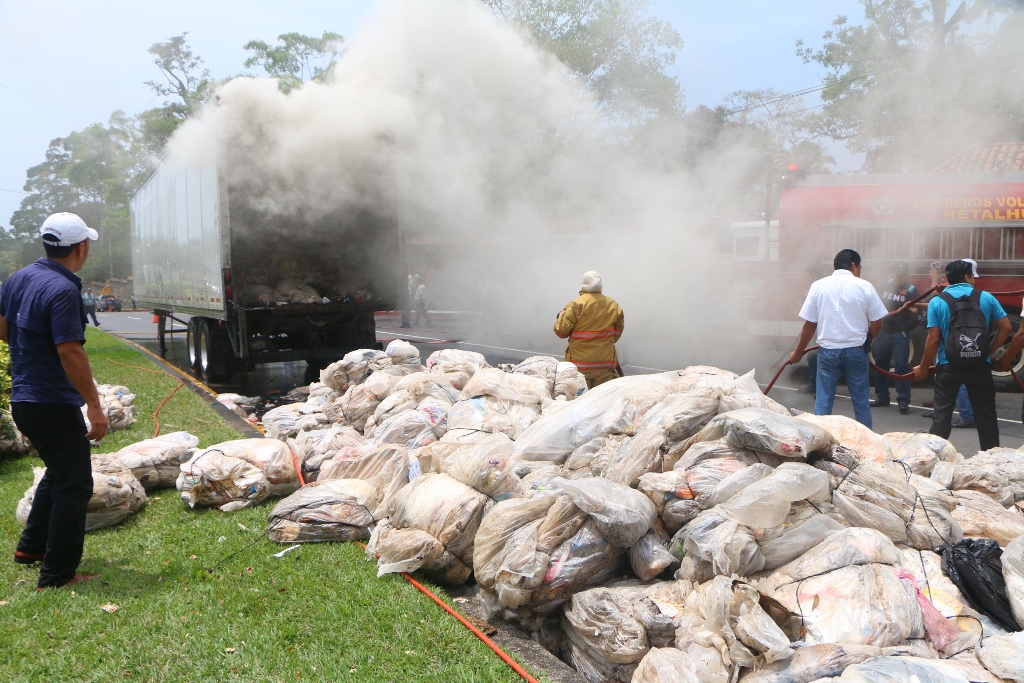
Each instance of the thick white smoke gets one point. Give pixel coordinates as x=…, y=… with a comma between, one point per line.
x=491, y=148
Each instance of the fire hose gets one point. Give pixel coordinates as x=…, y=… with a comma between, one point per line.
x=891, y=375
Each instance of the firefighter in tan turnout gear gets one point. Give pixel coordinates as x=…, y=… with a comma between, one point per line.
x=592, y=323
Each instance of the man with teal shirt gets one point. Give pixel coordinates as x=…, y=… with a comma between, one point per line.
x=949, y=376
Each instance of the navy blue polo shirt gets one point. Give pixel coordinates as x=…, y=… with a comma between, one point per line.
x=42, y=304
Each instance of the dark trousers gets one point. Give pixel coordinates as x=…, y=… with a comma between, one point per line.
x=892, y=348
x=91, y=311
x=421, y=307
x=982, y=392
x=56, y=523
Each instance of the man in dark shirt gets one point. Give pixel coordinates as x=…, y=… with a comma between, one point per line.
x=892, y=345
x=42, y=319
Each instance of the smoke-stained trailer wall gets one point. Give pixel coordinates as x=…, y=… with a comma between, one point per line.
x=204, y=249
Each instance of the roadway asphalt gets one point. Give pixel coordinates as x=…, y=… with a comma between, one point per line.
x=462, y=331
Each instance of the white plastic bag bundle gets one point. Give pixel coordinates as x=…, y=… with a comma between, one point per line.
x=422, y=385
x=878, y=495
x=435, y=412
x=156, y=462
x=486, y=466
x=667, y=665
x=898, y=668
x=488, y=415
x=650, y=556
x=385, y=467
x=507, y=386
x=980, y=515
x=1003, y=655
x=329, y=510
x=361, y=400
x=745, y=393
x=273, y=457
x=848, y=590
x=1013, y=575
x=675, y=419
x=592, y=458
x=999, y=472
x=397, y=402
x=532, y=553
x=212, y=479
x=732, y=611
x=610, y=629
x=569, y=381
x=354, y=368
x=404, y=357
x=766, y=432
x=287, y=421
x=432, y=528
x=706, y=381
x=319, y=445
x=687, y=489
x=118, y=404
x=116, y=493
x=920, y=451
x=622, y=515
x=613, y=408
x=853, y=435
x=455, y=365
x=411, y=429
x=295, y=292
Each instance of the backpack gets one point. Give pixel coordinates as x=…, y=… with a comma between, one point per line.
x=966, y=343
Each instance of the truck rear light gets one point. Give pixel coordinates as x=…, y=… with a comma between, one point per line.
x=229, y=291
x=227, y=276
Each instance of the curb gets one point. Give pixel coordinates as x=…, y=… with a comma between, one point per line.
x=530, y=654
x=198, y=388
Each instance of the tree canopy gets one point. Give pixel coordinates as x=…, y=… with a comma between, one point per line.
x=615, y=46
x=297, y=58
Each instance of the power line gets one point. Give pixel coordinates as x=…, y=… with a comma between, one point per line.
x=3, y=189
x=798, y=93
x=49, y=111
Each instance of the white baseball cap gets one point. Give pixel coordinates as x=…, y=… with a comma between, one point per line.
x=974, y=265
x=68, y=228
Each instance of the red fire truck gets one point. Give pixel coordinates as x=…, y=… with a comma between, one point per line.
x=916, y=218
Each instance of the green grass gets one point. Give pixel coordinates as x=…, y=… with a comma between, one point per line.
x=317, y=614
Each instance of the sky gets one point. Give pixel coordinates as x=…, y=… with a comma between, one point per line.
x=65, y=65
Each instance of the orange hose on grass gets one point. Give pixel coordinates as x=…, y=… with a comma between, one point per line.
x=156, y=412
x=473, y=629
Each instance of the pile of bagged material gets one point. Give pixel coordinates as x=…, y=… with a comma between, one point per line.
x=672, y=527
x=118, y=403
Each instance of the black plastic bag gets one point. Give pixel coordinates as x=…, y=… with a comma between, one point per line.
x=974, y=566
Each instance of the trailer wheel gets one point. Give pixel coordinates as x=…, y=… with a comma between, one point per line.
x=192, y=342
x=213, y=365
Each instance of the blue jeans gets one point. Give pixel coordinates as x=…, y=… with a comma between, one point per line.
x=835, y=363
x=963, y=404
x=892, y=347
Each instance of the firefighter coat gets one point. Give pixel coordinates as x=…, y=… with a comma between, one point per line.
x=592, y=323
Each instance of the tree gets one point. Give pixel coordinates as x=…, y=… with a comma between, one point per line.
x=911, y=85
x=615, y=46
x=782, y=118
x=297, y=59
x=185, y=79
x=91, y=172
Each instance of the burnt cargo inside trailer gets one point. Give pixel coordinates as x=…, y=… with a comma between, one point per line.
x=258, y=284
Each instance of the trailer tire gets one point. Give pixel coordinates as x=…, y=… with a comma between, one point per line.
x=213, y=363
x=192, y=343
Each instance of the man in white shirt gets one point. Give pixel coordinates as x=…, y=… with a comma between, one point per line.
x=843, y=309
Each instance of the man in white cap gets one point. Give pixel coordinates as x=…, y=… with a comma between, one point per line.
x=42, y=319
x=592, y=323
